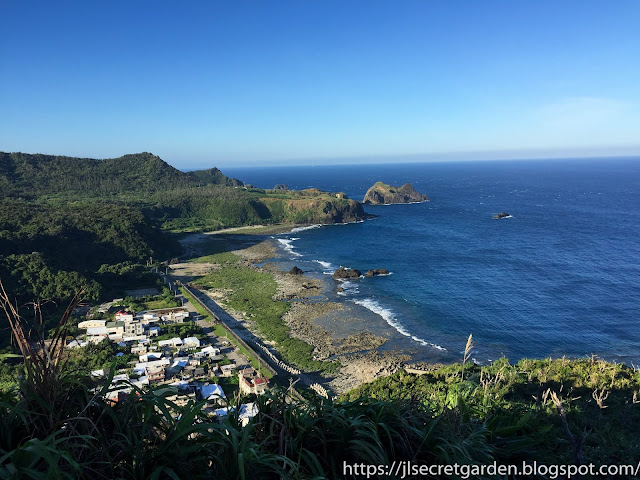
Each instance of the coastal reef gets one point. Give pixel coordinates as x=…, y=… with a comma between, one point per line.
x=382, y=194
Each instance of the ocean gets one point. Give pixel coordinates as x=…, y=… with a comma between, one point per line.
x=561, y=277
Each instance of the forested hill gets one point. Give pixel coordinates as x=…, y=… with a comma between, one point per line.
x=34, y=175
x=66, y=222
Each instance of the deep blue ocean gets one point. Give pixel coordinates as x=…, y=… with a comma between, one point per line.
x=561, y=277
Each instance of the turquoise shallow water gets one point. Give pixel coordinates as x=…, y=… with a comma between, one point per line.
x=562, y=277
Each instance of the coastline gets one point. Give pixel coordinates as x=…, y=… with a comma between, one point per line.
x=329, y=327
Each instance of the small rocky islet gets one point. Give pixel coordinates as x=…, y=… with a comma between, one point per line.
x=383, y=194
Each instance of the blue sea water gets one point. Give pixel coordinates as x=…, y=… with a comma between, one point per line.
x=561, y=277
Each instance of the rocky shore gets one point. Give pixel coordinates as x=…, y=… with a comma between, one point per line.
x=358, y=351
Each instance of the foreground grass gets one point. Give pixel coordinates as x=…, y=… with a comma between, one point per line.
x=595, y=414
x=500, y=413
x=252, y=292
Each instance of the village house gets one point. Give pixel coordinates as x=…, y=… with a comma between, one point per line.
x=153, y=331
x=115, y=330
x=252, y=382
x=92, y=324
x=124, y=316
x=149, y=357
x=155, y=373
x=208, y=351
x=176, y=316
x=191, y=342
x=139, y=349
x=172, y=342
x=133, y=329
x=212, y=393
x=227, y=370
x=141, y=367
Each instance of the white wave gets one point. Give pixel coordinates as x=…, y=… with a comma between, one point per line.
x=348, y=288
x=326, y=265
x=402, y=203
x=327, y=268
x=391, y=319
x=301, y=229
x=286, y=244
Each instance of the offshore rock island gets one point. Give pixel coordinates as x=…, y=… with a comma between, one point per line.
x=382, y=194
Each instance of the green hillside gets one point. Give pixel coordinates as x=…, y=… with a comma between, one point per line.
x=67, y=222
x=35, y=175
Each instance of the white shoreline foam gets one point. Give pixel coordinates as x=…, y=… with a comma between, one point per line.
x=327, y=267
x=308, y=227
x=387, y=204
x=391, y=319
x=286, y=244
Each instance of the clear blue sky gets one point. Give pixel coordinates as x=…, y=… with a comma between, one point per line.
x=235, y=82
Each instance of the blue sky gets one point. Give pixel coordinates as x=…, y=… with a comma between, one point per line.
x=233, y=83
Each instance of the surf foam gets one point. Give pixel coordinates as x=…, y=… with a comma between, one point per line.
x=286, y=244
x=391, y=319
x=301, y=229
x=327, y=267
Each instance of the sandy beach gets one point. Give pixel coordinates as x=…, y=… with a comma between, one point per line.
x=330, y=327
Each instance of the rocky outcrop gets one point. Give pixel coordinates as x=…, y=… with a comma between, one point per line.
x=381, y=194
x=501, y=215
x=344, y=273
x=295, y=271
x=376, y=271
x=281, y=186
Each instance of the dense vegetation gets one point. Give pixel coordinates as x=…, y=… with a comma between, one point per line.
x=68, y=222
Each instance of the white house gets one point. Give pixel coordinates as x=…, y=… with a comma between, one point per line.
x=124, y=316
x=172, y=342
x=191, y=342
x=154, y=331
x=139, y=349
x=247, y=412
x=97, y=331
x=142, y=366
x=210, y=351
x=150, y=356
x=212, y=392
x=92, y=324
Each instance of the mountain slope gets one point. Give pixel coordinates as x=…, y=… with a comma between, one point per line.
x=34, y=175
